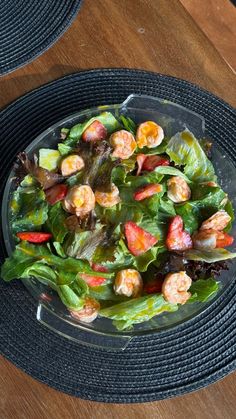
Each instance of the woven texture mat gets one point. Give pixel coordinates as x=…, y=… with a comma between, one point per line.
x=167, y=364
x=30, y=27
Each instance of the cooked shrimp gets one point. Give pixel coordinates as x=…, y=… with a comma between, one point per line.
x=217, y=221
x=175, y=287
x=71, y=164
x=123, y=143
x=178, y=189
x=89, y=312
x=205, y=240
x=108, y=199
x=149, y=134
x=80, y=200
x=128, y=282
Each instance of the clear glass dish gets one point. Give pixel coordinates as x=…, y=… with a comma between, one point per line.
x=101, y=332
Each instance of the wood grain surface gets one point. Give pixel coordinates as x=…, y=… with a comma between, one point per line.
x=155, y=35
x=217, y=19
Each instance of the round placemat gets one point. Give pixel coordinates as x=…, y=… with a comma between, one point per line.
x=30, y=27
x=164, y=365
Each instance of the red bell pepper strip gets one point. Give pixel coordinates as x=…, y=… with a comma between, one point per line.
x=34, y=236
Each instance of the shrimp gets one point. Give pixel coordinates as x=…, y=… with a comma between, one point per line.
x=80, y=200
x=71, y=164
x=205, y=240
x=108, y=199
x=89, y=312
x=217, y=221
x=128, y=282
x=175, y=287
x=123, y=143
x=211, y=239
x=149, y=134
x=178, y=189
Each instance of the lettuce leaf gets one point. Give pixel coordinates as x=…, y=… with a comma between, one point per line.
x=48, y=158
x=42, y=273
x=69, y=297
x=25, y=254
x=209, y=256
x=172, y=171
x=195, y=212
x=203, y=290
x=28, y=209
x=128, y=124
x=137, y=310
x=56, y=222
x=184, y=149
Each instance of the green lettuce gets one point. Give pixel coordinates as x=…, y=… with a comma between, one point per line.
x=28, y=209
x=185, y=150
x=172, y=171
x=203, y=290
x=25, y=254
x=128, y=124
x=56, y=222
x=137, y=310
x=209, y=256
x=195, y=212
x=48, y=158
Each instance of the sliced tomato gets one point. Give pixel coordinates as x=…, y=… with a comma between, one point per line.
x=139, y=241
x=177, y=237
x=153, y=286
x=223, y=239
x=34, y=236
x=99, y=268
x=140, y=160
x=92, y=281
x=56, y=193
x=151, y=162
x=147, y=191
x=95, y=131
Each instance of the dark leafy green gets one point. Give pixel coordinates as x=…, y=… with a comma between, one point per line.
x=203, y=290
x=28, y=209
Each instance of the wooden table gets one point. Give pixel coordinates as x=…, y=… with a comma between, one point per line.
x=157, y=35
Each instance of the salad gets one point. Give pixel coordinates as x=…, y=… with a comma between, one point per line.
x=121, y=221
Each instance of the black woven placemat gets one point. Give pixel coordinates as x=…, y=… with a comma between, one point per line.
x=168, y=364
x=30, y=27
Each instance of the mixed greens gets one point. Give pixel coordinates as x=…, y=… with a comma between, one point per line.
x=120, y=221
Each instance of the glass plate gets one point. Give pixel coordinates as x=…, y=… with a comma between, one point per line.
x=101, y=332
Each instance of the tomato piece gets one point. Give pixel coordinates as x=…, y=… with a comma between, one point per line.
x=92, y=281
x=154, y=286
x=151, y=162
x=99, y=268
x=224, y=240
x=56, y=193
x=140, y=160
x=95, y=131
x=177, y=237
x=34, y=236
x=139, y=241
x=147, y=191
